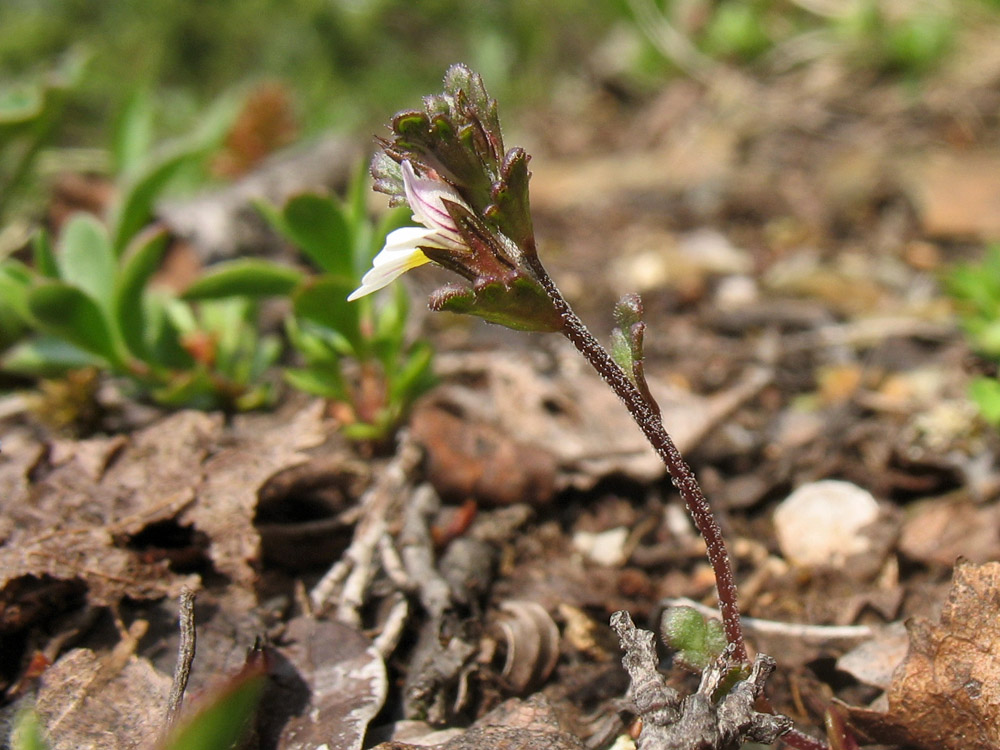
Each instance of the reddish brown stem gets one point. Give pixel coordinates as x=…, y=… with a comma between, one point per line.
x=647, y=415
x=649, y=421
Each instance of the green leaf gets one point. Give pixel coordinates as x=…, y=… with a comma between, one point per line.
x=314, y=343
x=15, y=281
x=697, y=640
x=248, y=277
x=318, y=381
x=139, y=263
x=323, y=301
x=135, y=207
x=986, y=393
x=133, y=133
x=45, y=259
x=163, y=346
x=68, y=312
x=27, y=732
x=86, y=259
x=621, y=353
x=20, y=104
x=413, y=377
x=44, y=357
x=318, y=226
x=222, y=720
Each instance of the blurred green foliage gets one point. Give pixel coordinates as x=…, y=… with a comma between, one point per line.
x=350, y=61
x=88, y=302
x=357, y=354
x=975, y=287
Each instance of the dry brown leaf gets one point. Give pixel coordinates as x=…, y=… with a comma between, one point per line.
x=72, y=523
x=564, y=406
x=91, y=702
x=346, y=681
x=227, y=499
x=531, y=724
x=946, y=693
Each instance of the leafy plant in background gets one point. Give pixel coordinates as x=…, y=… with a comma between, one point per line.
x=976, y=290
x=30, y=110
x=29, y=113
x=697, y=34
x=91, y=307
x=357, y=356
x=89, y=302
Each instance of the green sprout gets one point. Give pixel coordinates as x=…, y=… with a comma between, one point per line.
x=357, y=355
x=975, y=287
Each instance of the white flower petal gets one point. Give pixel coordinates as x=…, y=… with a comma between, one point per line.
x=426, y=197
x=399, y=255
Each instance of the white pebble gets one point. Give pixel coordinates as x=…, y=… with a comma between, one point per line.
x=819, y=525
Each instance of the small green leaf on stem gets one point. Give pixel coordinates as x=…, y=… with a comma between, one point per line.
x=697, y=640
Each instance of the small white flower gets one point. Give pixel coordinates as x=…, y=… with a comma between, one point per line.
x=401, y=252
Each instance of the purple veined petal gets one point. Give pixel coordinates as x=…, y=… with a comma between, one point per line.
x=426, y=198
x=400, y=254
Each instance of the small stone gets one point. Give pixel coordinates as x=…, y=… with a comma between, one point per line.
x=820, y=524
x=736, y=292
x=603, y=548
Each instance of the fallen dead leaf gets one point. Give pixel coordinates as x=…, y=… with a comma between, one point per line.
x=345, y=680
x=946, y=693
x=531, y=724
x=102, y=702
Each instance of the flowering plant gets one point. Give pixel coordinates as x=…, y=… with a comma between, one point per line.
x=448, y=163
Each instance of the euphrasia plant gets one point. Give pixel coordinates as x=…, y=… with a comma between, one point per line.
x=448, y=163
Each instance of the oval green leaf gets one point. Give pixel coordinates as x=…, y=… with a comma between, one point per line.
x=67, y=312
x=245, y=278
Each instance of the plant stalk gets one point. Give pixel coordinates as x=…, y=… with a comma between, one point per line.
x=648, y=418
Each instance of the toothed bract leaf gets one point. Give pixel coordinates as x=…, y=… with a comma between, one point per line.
x=520, y=304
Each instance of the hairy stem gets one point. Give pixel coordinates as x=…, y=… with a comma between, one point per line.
x=647, y=416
